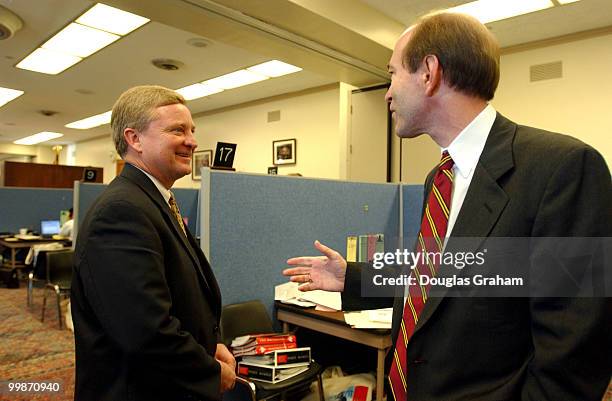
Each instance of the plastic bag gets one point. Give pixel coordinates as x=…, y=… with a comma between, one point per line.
x=338, y=387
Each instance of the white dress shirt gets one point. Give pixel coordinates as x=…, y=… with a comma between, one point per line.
x=162, y=190
x=465, y=150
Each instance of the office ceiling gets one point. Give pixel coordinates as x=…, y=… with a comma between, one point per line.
x=330, y=40
x=581, y=16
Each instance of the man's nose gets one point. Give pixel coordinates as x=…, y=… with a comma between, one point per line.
x=190, y=140
x=388, y=96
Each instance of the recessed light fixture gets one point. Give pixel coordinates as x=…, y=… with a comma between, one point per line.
x=235, y=79
x=6, y=95
x=111, y=19
x=97, y=28
x=47, y=61
x=493, y=10
x=79, y=40
x=196, y=91
x=274, y=68
x=91, y=122
x=38, y=138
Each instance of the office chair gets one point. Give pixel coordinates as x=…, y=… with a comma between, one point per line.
x=59, y=277
x=250, y=318
x=38, y=274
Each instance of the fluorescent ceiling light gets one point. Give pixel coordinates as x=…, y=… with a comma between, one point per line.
x=494, y=10
x=79, y=40
x=90, y=122
x=274, y=68
x=567, y=1
x=47, y=61
x=6, y=95
x=198, y=90
x=235, y=79
x=37, y=138
x=111, y=19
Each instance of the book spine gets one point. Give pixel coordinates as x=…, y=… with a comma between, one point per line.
x=264, y=349
x=289, y=338
x=351, y=248
x=363, y=249
x=380, y=243
x=256, y=372
x=371, y=246
x=290, y=357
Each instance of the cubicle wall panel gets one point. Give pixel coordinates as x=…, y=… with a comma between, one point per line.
x=26, y=207
x=412, y=198
x=186, y=198
x=257, y=222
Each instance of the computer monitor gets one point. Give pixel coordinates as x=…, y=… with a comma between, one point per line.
x=49, y=227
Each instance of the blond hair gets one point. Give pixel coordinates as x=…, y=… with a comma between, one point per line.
x=135, y=109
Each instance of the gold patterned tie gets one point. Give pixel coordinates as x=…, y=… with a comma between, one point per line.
x=177, y=214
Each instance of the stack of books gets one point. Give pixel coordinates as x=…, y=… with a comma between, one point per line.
x=275, y=366
x=270, y=357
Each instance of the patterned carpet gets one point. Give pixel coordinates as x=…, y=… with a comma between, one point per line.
x=31, y=350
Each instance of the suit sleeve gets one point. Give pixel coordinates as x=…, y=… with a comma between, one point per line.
x=122, y=270
x=352, y=298
x=571, y=335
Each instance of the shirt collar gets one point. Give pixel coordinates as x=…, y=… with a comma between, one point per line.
x=466, y=148
x=164, y=192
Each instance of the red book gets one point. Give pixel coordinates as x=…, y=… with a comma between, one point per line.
x=261, y=349
x=263, y=339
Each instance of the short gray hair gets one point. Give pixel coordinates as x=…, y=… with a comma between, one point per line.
x=135, y=109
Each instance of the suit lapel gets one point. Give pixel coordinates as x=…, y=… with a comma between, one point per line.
x=484, y=202
x=133, y=174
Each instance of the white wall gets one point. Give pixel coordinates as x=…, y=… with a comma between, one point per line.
x=312, y=117
x=97, y=152
x=578, y=104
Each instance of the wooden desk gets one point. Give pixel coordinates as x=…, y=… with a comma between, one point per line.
x=333, y=323
x=19, y=244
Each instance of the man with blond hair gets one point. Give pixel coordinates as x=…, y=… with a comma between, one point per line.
x=145, y=302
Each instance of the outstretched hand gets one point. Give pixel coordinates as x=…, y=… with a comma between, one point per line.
x=318, y=272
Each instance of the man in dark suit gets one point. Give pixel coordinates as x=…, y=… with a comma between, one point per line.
x=145, y=302
x=495, y=179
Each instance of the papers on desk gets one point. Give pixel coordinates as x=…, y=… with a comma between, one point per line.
x=27, y=237
x=370, y=319
x=288, y=293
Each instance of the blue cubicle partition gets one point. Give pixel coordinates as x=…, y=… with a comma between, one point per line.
x=26, y=207
x=186, y=198
x=412, y=204
x=252, y=223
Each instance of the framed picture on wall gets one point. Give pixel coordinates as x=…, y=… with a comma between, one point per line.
x=284, y=152
x=202, y=158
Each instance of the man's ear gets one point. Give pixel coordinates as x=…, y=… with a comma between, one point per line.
x=432, y=74
x=132, y=138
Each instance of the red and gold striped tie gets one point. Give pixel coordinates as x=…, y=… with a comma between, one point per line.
x=431, y=239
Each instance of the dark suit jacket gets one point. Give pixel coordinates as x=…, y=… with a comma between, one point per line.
x=528, y=183
x=145, y=302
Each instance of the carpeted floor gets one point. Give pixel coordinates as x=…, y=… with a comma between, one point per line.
x=31, y=350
